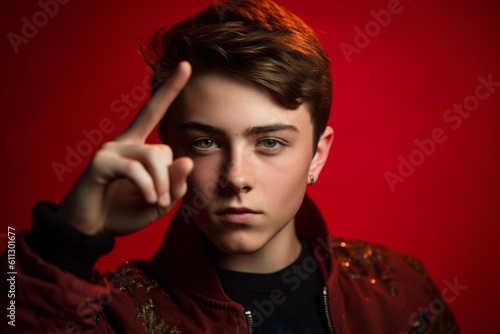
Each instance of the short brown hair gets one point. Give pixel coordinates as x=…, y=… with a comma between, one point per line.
x=257, y=40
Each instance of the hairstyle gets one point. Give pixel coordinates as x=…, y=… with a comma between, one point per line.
x=254, y=39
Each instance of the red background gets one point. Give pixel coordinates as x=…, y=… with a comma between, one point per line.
x=395, y=90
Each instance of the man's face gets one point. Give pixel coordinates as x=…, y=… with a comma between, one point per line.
x=251, y=161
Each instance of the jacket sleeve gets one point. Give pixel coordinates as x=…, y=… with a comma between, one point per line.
x=56, y=288
x=389, y=291
x=434, y=316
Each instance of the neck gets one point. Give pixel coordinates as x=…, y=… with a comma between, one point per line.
x=281, y=251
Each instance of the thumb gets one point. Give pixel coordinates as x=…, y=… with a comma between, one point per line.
x=179, y=170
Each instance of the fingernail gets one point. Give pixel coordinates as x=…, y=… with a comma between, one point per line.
x=165, y=199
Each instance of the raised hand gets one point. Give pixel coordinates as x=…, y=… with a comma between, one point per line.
x=129, y=184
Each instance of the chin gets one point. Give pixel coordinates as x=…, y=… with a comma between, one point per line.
x=236, y=239
x=238, y=245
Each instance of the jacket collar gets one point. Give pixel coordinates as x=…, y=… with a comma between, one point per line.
x=183, y=260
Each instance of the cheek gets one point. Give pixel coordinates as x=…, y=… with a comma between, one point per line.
x=285, y=181
x=287, y=172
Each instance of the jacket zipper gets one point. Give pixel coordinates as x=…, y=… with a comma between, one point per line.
x=327, y=310
x=248, y=315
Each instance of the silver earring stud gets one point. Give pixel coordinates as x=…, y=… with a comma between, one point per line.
x=311, y=179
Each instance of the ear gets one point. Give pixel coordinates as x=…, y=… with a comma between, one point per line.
x=321, y=154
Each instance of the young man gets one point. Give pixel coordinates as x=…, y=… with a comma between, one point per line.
x=242, y=97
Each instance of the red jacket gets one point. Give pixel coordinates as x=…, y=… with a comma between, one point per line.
x=368, y=289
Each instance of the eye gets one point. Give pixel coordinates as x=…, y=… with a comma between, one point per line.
x=205, y=144
x=270, y=144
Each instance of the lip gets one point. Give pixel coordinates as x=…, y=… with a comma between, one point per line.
x=240, y=215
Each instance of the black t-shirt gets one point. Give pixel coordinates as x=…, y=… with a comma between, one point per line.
x=288, y=301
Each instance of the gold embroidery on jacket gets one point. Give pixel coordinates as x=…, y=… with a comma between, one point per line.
x=129, y=278
x=362, y=260
x=151, y=320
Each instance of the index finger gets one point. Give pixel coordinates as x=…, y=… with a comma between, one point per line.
x=157, y=106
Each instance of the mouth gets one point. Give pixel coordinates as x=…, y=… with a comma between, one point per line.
x=237, y=215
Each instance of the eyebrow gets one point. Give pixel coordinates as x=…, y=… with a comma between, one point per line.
x=202, y=127
x=257, y=130
x=251, y=131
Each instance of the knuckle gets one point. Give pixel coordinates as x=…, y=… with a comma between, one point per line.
x=151, y=153
x=159, y=153
x=133, y=167
x=108, y=146
x=168, y=155
x=167, y=151
x=100, y=157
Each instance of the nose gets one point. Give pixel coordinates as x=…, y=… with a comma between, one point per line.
x=238, y=175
